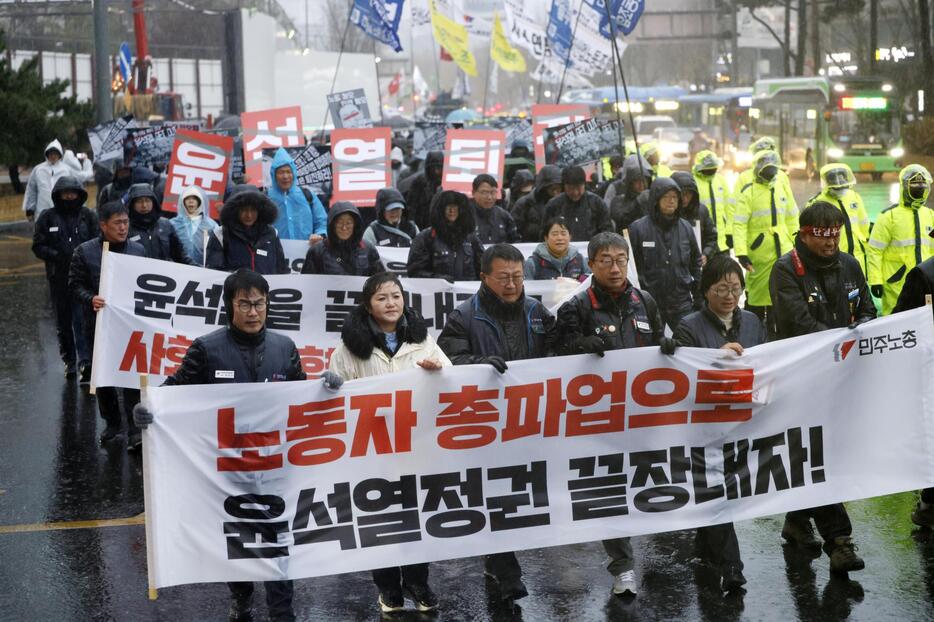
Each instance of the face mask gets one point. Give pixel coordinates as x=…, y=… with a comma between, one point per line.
x=710, y=172
x=917, y=191
x=768, y=173
x=837, y=193
x=72, y=204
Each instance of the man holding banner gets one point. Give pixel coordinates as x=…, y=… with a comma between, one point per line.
x=244, y=351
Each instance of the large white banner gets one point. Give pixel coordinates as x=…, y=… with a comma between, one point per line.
x=155, y=309
x=290, y=480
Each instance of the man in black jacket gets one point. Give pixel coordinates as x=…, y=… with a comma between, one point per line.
x=450, y=248
x=149, y=228
x=425, y=186
x=919, y=285
x=84, y=281
x=667, y=258
x=498, y=324
x=344, y=251
x=610, y=315
x=529, y=211
x=815, y=287
x=246, y=352
x=585, y=213
x=693, y=211
x=58, y=232
x=494, y=224
x=627, y=195
x=247, y=237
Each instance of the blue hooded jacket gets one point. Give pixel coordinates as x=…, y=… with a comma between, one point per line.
x=297, y=218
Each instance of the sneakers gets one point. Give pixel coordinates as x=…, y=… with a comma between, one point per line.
x=391, y=601
x=240, y=611
x=843, y=557
x=923, y=517
x=71, y=370
x=800, y=531
x=625, y=583
x=422, y=596
x=110, y=433
x=84, y=370
x=732, y=579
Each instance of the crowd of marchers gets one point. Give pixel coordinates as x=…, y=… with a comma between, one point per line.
x=798, y=271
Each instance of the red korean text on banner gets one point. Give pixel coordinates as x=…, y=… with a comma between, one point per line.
x=360, y=161
x=201, y=160
x=553, y=115
x=468, y=153
x=263, y=129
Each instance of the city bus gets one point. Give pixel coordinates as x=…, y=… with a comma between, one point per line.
x=840, y=119
x=724, y=115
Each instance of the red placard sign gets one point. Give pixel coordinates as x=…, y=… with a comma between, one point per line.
x=276, y=127
x=468, y=153
x=202, y=160
x=360, y=164
x=552, y=115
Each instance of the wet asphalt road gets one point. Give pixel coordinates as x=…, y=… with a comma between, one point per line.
x=53, y=474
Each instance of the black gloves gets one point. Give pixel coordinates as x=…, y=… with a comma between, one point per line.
x=331, y=381
x=497, y=362
x=142, y=416
x=729, y=241
x=591, y=344
x=876, y=290
x=667, y=345
x=744, y=261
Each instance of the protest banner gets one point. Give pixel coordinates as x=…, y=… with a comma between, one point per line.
x=428, y=137
x=271, y=481
x=312, y=166
x=582, y=142
x=202, y=160
x=152, y=146
x=379, y=20
x=360, y=164
x=349, y=109
x=275, y=127
x=552, y=115
x=155, y=309
x=107, y=138
x=468, y=153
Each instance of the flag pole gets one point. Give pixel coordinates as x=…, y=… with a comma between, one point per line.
x=379, y=89
x=489, y=71
x=580, y=9
x=618, y=61
x=538, y=93
x=337, y=67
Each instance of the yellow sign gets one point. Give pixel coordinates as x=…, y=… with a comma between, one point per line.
x=453, y=38
x=503, y=54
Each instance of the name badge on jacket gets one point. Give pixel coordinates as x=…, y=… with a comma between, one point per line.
x=261, y=252
x=226, y=374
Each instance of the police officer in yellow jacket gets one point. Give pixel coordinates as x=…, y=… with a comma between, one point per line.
x=764, y=226
x=900, y=239
x=837, y=181
x=766, y=143
x=653, y=154
x=713, y=191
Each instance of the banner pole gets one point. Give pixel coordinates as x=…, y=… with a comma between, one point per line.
x=379, y=89
x=580, y=9
x=105, y=278
x=147, y=496
x=613, y=53
x=619, y=65
x=337, y=68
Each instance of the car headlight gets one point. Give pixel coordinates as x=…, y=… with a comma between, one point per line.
x=835, y=152
x=896, y=152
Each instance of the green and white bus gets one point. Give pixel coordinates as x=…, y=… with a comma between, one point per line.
x=841, y=119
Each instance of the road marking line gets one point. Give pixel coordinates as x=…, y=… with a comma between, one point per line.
x=80, y=524
x=16, y=239
x=32, y=267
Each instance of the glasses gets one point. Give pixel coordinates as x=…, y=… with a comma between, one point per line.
x=506, y=280
x=723, y=291
x=244, y=306
x=621, y=262
x=485, y=193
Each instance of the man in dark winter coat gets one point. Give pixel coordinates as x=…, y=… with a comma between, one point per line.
x=623, y=195
x=529, y=211
x=247, y=237
x=425, y=185
x=58, y=232
x=494, y=224
x=522, y=184
x=392, y=226
x=449, y=249
x=498, y=324
x=344, y=251
x=815, y=287
x=585, y=213
x=693, y=211
x=246, y=352
x=84, y=281
x=149, y=228
x=667, y=258
x=610, y=315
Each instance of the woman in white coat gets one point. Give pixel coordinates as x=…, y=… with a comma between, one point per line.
x=380, y=336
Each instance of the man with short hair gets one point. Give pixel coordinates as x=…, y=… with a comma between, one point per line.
x=494, y=224
x=610, y=315
x=585, y=213
x=424, y=186
x=245, y=352
x=529, y=211
x=815, y=287
x=498, y=324
x=148, y=227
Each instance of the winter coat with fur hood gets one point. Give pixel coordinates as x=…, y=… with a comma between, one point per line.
x=447, y=250
x=257, y=247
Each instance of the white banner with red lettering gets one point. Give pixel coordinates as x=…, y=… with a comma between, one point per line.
x=202, y=160
x=282, y=481
x=155, y=309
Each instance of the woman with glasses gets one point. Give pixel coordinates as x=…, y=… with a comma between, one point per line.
x=384, y=335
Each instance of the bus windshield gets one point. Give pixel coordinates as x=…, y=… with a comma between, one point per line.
x=864, y=127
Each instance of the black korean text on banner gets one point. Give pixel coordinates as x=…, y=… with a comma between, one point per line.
x=202, y=160
x=360, y=163
x=582, y=142
x=349, y=109
x=468, y=153
x=551, y=115
x=276, y=127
